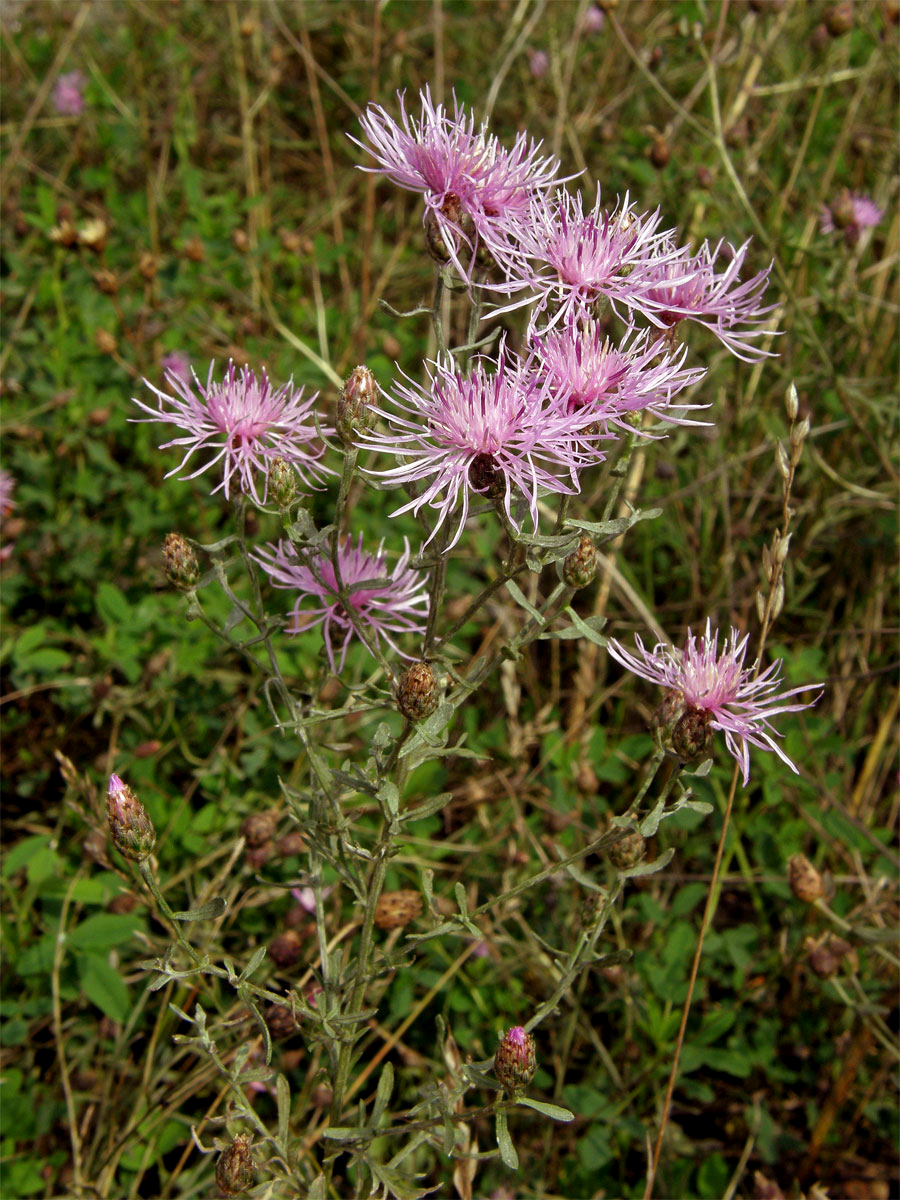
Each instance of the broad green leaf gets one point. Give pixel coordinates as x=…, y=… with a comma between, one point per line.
x=104, y=986
x=22, y=853
x=102, y=931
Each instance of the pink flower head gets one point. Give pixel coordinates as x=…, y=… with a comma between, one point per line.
x=385, y=602
x=475, y=190
x=719, y=687
x=851, y=212
x=594, y=20
x=487, y=433
x=580, y=257
x=68, y=99
x=306, y=897
x=538, y=63
x=688, y=288
x=7, y=504
x=244, y=423
x=586, y=371
x=177, y=364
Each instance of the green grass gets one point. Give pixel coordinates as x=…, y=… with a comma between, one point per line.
x=213, y=147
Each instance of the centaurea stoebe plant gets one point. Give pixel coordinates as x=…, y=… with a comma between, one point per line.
x=482, y=431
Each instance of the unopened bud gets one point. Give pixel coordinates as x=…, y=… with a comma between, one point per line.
x=234, y=1170
x=805, y=881
x=781, y=547
x=354, y=406
x=777, y=600
x=760, y=606
x=799, y=434
x=825, y=956
x=581, y=565
x=283, y=483
x=791, y=403
x=768, y=562
x=105, y=342
x=515, y=1061
x=782, y=462
x=839, y=19
x=417, y=692
x=692, y=734
x=258, y=828
x=670, y=710
x=193, y=249
x=106, y=281
x=281, y=1021
x=285, y=948
x=628, y=851
x=660, y=152
x=396, y=909
x=148, y=265
x=132, y=830
x=182, y=568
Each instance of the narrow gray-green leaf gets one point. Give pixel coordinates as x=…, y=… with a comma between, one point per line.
x=650, y=868
x=255, y=959
x=553, y=1111
x=521, y=599
x=206, y=912
x=461, y=900
x=584, y=628
x=283, y=1099
x=504, y=1142
x=383, y=1093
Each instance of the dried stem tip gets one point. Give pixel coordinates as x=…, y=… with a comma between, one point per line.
x=182, y=568
x=234, y=1170
x=132, y=830
x=515, y=1061
x=805, y=881
x=417, y=694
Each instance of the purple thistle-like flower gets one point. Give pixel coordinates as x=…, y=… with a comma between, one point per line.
x=485, y=433
x=851, y=213
x=594, y=20
x=386, y=602
x=581, y=256
x=538, y=63
x=475, y=189
x=177, y=364
x=720, y=688
x=689, y=288
x=244, y=422
x=586, y=371
x=68, y=99
x=7, y=504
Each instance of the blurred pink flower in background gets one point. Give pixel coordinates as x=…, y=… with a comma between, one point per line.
x=177, y=364
x=7, y=504
x=68, y=98
x=850, y=213
x=594, y=20
x=385, y=601
x=538, y=62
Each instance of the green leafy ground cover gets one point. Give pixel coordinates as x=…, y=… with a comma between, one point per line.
x=213, y=149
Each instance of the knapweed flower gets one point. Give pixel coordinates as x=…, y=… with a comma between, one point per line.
x=131, y=828
x=571, y=258
x=851, y=213
x=538, y=63
x=716, y=689
x=244, y=422
x=7, y=504
x=385, y=601
x=493, y=432
x=586, y=371
x=475, y=189
x=177, y=364
x=688, y=288
x=516, y=1060
x=68, y=98
x=594, y=20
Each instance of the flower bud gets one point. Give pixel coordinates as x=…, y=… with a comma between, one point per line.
x=396, y=909
x=839, y=19
x=281, y=1021
x=660, y=153
x=283, y=484
x=354, y=407
x=515, y=1061
x=258, y=828
x=581, y=565
x=132, y=830
x=417, y=693
x=234, y=1170
x=182, y=568
x=284, y=949
x=628, y=851
x=805, y=881
x=692, y=734
x=791, y=403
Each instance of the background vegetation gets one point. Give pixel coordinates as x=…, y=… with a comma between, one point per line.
x=229, y=220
